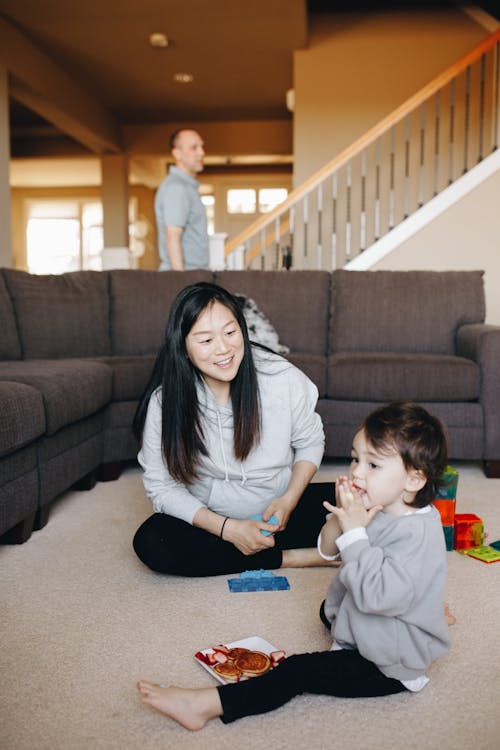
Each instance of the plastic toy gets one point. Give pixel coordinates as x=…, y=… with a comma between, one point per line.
x=449, y=537
x=446, y=510
x=486, y=554
x=273, y=519
x=469, y=531
x=258, y=580
x=445, y=503
x=449, y=484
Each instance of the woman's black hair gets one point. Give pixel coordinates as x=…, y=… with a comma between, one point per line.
x=182, y=434
x=417, y=436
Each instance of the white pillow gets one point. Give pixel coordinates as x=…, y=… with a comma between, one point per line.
x=259, y=326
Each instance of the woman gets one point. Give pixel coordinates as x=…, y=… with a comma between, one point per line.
x=228, y=431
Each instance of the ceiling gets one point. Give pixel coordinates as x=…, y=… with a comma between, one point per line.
x=239, y=53
x=79, y=72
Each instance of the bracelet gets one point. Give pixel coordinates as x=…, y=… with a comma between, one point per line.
x=223, y=524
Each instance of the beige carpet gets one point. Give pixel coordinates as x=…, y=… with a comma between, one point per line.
x=81, y=620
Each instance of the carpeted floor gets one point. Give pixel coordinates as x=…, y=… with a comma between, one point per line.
x=81, y=620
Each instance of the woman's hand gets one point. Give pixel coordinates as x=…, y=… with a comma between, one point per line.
x=246, y=536
x=282, y=508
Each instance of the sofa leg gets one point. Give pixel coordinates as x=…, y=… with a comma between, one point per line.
x=86, y=483
x=19, y=533
x=492, y=469
x=110, y=472
x=41, y=517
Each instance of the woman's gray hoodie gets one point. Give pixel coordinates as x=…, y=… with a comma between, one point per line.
x=291, y=431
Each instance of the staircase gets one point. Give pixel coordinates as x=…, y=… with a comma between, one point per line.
x=385, y=178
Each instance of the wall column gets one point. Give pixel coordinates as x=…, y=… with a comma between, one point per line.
x=6, y=256
x=114, y=192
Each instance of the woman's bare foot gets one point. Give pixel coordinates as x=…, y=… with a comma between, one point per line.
x=308, y=557
x=189, y=708
x=450, y=618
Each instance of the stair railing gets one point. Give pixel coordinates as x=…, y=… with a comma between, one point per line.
x=386, y=175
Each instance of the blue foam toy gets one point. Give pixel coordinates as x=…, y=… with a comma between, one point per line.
x=258, y=580
x=273, y=519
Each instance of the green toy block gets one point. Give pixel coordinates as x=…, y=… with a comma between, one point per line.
x=485, y=553
x=449, y=480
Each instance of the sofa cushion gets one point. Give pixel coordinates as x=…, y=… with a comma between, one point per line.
x=22, y=416
x=403, y=311
x=130, y=375
x=60, y=316
x=140, y=302
x=10, y=346
x=374, y=376
x=72, y=389
x=294, y=302
x=464, y=425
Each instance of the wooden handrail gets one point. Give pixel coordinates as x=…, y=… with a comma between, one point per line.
x=366, y=139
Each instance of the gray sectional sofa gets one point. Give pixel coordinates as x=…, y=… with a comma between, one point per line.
x=76, y=351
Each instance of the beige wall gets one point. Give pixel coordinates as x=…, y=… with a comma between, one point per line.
x=358, y=68
x=466, y=236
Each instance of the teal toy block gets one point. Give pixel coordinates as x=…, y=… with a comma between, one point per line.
x=449, y=484
x=449, y=537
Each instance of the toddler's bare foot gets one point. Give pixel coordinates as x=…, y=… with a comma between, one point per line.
x=189, y=708
x=450, y=618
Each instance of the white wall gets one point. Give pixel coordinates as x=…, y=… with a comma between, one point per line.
x=357, y=68
x=465, y=237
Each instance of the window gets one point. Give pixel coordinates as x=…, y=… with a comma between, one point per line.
x=241, y=201
x=250, y=201
x=67, y=235
x=269, y=198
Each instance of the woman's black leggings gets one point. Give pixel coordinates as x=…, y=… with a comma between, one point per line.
x=168, y=545
x=345, y=674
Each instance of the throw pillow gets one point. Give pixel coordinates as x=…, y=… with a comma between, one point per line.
x=260, y=328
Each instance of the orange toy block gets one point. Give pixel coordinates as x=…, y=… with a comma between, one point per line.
x=469, y=531
x=446, y=508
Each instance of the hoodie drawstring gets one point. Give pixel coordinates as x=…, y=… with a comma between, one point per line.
x=226, y=478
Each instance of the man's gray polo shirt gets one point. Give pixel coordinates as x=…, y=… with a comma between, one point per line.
x=178, y=204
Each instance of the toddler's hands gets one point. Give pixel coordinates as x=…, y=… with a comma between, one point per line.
x=350, y=510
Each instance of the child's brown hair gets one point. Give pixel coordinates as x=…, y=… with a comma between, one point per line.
x=417, y=436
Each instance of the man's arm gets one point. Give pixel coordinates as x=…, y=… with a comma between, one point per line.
x=174, y=247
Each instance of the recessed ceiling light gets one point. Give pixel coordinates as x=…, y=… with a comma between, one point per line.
x=158, y=39
x=183, y=77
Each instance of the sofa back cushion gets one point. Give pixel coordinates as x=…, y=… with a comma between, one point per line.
x=60, y=316
x=295, y=303
x=10, y=346
x=140, y=302
x=403, y=311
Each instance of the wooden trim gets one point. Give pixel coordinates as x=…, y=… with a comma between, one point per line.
x=366, y=139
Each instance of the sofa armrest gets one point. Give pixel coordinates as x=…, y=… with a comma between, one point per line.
x=481, y=343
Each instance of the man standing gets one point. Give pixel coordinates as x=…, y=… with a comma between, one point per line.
x=180, y=215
